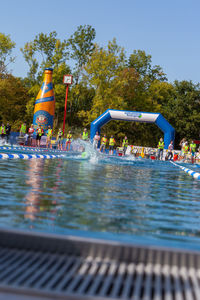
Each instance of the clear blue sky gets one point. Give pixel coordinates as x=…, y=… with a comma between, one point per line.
x=168, y=30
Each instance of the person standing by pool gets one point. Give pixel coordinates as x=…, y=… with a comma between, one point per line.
x=22, y=131
x=49, y=136
x=182, y=144
x=192, y=150
x=8, y=130
x=30, y=135
x=68, y=141
x=125, y=144
x=85, y=135
x=60, y=138
x=96, y=140
x=39, y=132
x=2, y=131
x=185, y=150
x=111, y=145
x=160, y=146
x=103, y=143
x=170, y=151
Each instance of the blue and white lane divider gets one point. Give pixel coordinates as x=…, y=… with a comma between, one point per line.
x=194, y=174
x=29, y=156
x=30, y=149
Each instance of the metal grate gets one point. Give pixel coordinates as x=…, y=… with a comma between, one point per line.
x=54, y=267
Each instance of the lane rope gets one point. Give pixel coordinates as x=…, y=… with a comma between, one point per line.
x=31, y=149
x=194, y=174
x=29, y=156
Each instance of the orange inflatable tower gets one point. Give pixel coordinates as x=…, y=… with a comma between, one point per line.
x=45, y=103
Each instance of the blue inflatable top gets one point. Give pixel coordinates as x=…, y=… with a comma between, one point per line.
x=134, y=116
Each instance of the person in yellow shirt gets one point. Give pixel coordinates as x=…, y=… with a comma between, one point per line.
x=185, y=150
x=60, y=138
x=49, y=136
x=22, y=131
x=103, y=143
x=2, y=131
x=69, y=140
x=161, y=147
x=111, y=144
x=85, y=135
x=39, y=132
x=125, y=144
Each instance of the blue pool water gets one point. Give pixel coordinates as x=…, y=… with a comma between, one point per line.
x=118, y=198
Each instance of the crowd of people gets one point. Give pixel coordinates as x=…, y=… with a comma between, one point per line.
x=98, y=142
x=111, y=143
x=187, y=149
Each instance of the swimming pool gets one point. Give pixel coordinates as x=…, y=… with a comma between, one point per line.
x=117, y=198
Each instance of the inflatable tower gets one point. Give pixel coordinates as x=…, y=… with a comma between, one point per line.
x=45, y=103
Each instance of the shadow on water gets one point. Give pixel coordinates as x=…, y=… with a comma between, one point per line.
x=102, y=196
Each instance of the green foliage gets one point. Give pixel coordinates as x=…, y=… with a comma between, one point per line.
x=29, y=56
x=44, y=51
x=102, y=71
x=141, y=62
x=13, y=100
x=6, y=47
x=81, y=45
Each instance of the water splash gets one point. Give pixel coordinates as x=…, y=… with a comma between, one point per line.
x=87, y=152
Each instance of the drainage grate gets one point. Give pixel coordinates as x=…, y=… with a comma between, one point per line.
x=56, y=267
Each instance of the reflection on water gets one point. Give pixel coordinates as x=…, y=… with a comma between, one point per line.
x=135, y=201
x=34, y=181
x=42, y=197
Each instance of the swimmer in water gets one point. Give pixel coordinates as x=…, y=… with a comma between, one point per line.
x=84, y=153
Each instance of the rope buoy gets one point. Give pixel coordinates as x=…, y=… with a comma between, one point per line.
x=194, y=174
x=28, y=156
x=30, y=149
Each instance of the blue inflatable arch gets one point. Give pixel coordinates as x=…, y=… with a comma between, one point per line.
x=135, y=116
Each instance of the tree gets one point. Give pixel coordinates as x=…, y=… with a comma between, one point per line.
x=182, y=110
x=102, y=69
x=44, y=51
x=142, y=63
x=14, y=97
x=6, y=47
x=29, y=53
x=82, y=46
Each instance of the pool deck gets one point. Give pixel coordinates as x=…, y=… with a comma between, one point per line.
x=45, y=266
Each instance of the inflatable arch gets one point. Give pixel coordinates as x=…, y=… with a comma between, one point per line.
x=135, y=116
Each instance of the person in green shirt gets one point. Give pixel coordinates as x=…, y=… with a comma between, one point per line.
x=22, y=131
x=192, y=150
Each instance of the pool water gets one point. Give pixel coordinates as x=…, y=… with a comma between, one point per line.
x=108, y=197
